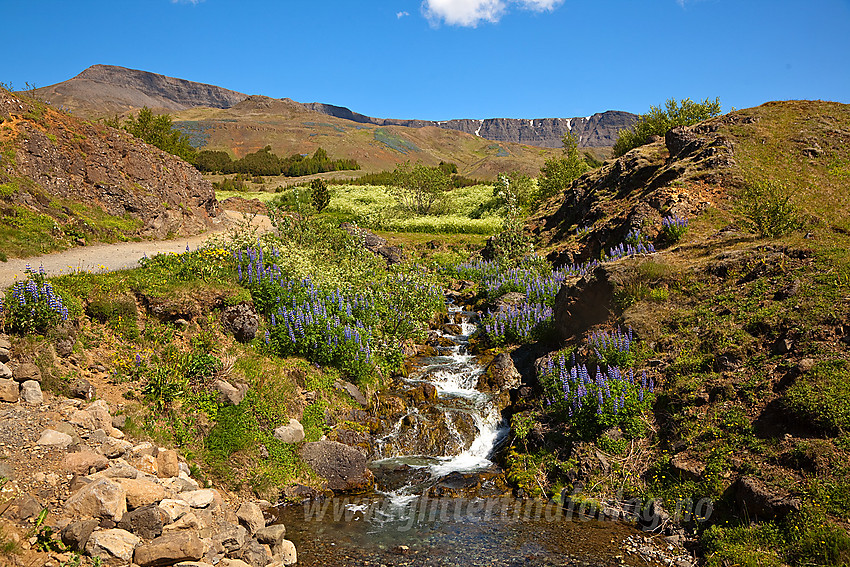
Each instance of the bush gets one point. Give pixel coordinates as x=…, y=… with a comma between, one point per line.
x=32, y=306
x=767, y=209
x=420, y=189
x=557, y=173
x=658, y=121
x=321, y=197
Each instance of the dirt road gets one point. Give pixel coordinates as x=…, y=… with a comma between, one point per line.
x=120, y=256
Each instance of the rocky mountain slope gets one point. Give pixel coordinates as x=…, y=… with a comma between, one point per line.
x=105, y=90
x=66, y=181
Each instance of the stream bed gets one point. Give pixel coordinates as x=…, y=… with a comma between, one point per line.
x=453, y=507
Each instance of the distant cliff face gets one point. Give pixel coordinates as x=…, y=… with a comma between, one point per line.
x=598, y=130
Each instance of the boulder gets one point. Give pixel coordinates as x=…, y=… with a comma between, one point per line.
x=145, y=522
x=102, y=498
x=141, y=491
x=198, y=498
x=169, y=549
x=167, y=464
x=76, y=534
x=64, y=346
x=352, y=391
x=175, y=509
x=21, y=508
x=83, y=390
x=229, y=394
x=115, y=543
x=51, y=438
x=31, y=393
x=85, y=462
x=113, y=448
x=501, y=375
x=285, y=552
x=344, y=467
x=231, y=536
x=241, y=320
x=5, y=371
x=254, y=553
x=589, y=301
x=757, y=500
x=271, y=535
x=250, y=515
x=291, y=433
x=27, y=371
x=9, y=390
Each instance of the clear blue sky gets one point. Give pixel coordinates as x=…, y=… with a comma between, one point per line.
x=442, y=59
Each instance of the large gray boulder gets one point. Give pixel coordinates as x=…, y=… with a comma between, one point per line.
x=344, y=467
x=241, y=320
x=115, y=543
x=293, y=432
x=99, y=499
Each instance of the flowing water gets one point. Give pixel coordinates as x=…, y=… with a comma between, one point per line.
x=410, y=521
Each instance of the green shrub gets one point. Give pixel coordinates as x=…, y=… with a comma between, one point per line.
x=822, y=397
x=557, y=173
x=320, y=195
x=658, y=121
x=767, y=209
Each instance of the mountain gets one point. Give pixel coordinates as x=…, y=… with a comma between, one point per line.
x=105, y=90
x=65, y=181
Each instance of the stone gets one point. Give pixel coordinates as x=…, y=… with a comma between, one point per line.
x=757, y=500
x=84, y=462
x=102, y=498
x=144, y=448
x=27, y=371
x=120, y=469
x=254, y=553
x=31, y=393
x=113, y=448
x=119, y=421
x=9, y=391
x=167, y=464
x=687, y=468
x=115, y=542
x=250, y=515
x=67, y=429
x=231, y=536
x=64, y=346
x=76, y=534
x=51, y=438
x=141, y=491
x=22, y=508
x=83, y=390
x=176, y=485
x=198, y=498
x=7, y=471
x=290, y=433
x=175, y=509
x=229, y=394
x=83, y=419
x=501, y=375
x=352, y=391
x=241, y=320
x=285, y=552
x=344, y=467
x=146, y=522
x=190, y=521
x=5, y=372
x=232, y=563
x=5, y=355
x=169, y=549
x=147, y=464
x=271, y=535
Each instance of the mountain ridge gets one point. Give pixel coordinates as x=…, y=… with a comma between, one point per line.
x=105, y=90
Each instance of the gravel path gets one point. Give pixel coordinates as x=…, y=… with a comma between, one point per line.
x=119, y=256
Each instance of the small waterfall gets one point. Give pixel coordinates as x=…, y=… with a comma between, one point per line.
x=454, y=373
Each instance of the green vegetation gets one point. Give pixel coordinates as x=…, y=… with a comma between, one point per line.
x=767, y=209
x=157, y=131
x=420, y=189
x=557, y=173
x=659, y=120
x=319, y=194
x=264, y=162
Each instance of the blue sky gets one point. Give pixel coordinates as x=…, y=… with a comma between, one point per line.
x=442, y=59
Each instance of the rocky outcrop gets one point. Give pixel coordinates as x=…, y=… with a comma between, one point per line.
x=68, y=158
x=344, y=467
x=598, y=130
x=589, y=301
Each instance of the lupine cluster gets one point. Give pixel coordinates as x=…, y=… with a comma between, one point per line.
x=328, y=326
x=517, y=324
x=32, y=305
x=614, y=348
x=674, y=227
x=593, y=401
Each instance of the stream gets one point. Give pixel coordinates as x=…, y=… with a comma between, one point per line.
x=452, y=506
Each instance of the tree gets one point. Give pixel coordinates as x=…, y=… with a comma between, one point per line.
x=420, y=188
x=159, y=131
x=516, y=187
x=658, y=121
x=557, y=173
x=213, y=161
x=320, y=194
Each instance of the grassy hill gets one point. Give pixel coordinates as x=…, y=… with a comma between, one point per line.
x=289, y=128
